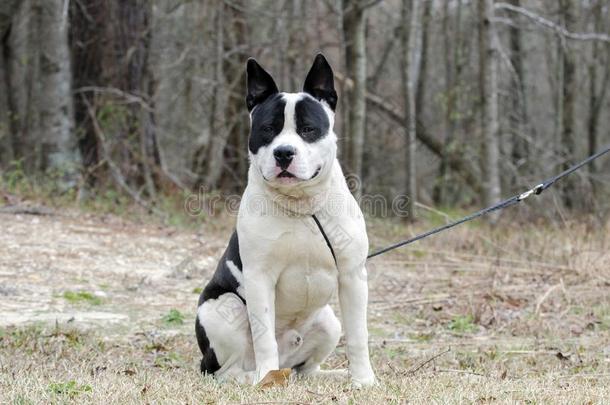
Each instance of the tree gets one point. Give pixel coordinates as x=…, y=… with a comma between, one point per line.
x=518, y=114
x=597, y=88
x=488, y=71
x=59, y=146
x=568, y=94
x=412, y=52
x=354, y=31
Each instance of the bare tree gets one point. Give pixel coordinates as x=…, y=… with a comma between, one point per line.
x=354, y=31
x=568, y=94
x=412, y=50
x=59, y=148
x=488, y=61
x=597, y=88
x=518, y=115
x=452, y=50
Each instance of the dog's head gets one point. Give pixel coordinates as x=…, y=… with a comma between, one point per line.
x=292, y=142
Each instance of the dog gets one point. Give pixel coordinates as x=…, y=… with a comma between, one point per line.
x=300, y=235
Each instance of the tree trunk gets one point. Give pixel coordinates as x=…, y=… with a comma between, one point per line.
x=488, y=55
x=354, y=25
x=59, y=146
x=568, y=94
x=9, y=139
x=518, y=116
x=452, y=49
x=596, y=97
x=412, y=51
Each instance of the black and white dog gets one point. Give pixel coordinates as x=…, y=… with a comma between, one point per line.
x=300, y=235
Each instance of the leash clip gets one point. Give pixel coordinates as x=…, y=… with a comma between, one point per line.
x=536, y=190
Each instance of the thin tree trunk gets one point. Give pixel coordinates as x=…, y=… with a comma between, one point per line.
x=60, y=153
x=596, y=97
x=488, y=55
x=354, y=25
x=412, y=49
x=568, y=103
x=8, y=10
x=518, y=117
x=452, y=51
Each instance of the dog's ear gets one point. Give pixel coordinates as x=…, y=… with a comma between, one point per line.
x=260, y=84
x=320, y=82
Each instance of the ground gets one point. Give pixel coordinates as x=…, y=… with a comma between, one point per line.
x=98, y=308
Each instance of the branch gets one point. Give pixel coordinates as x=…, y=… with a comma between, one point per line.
x=129, y=98
x=455, y=161
x=114, y=170
x=559, y=30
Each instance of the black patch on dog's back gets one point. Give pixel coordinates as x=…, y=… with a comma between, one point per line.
x=311, y=119
x=223, y=280
x=267, y=122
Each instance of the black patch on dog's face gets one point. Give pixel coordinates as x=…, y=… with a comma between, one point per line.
x=267, y=122
x=311, y=120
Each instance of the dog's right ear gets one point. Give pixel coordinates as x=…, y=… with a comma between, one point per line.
x=260, y=84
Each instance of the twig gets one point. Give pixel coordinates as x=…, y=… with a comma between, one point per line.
x=436, y=356
x=562, y=31
x=116, y=173
x=451, y=370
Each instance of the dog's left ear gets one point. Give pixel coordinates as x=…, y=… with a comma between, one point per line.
x=320, y=82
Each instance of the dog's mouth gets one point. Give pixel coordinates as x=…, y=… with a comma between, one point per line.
x=286, y=174
x=286, y=177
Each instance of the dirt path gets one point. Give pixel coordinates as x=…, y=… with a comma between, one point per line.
x=98, y=271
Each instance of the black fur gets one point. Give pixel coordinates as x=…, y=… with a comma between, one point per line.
x=267, y=122
x=209, y=362
x=260, y=84
x=222, y=282
x=320, y=82
x=312, y=122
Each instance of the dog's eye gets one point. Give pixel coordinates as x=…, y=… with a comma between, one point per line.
x=267, y=129
x=307, y=130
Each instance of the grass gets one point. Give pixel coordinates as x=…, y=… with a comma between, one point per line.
x=128, y=371
x=462, y=324
x=69, y=389
x=515, y=313
x=78, y=297
x=173, y=317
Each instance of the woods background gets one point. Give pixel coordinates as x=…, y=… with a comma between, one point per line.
x=452, y=103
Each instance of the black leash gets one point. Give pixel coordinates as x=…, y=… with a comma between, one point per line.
x=498, y=206
x=332, y=251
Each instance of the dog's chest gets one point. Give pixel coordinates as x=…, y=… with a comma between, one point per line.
x=308, y=275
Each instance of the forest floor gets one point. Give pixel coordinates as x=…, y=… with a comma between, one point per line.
x=97, y=308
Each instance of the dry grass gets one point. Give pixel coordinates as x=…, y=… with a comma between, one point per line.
x=99, y=309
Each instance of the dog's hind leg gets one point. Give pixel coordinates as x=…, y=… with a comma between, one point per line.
x=320, y=338
x=223, y=332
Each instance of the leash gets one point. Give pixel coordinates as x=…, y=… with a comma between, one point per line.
x=498, y=206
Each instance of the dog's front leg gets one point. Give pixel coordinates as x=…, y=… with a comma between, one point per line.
x=353, y=297
x=260, y=298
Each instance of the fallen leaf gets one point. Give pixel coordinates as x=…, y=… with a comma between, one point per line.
x=275, y=378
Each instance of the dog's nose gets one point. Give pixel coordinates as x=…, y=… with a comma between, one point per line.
x=283, y=155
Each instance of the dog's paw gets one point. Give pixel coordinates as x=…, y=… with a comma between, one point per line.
x=362, y=380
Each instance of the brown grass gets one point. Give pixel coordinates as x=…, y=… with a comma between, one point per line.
x=514, y=313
